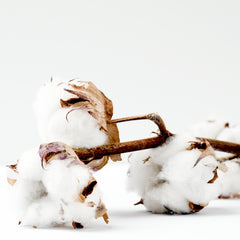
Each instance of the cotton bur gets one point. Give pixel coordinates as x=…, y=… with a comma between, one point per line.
x=219, y=129
x=58, y=190
x=76, y=113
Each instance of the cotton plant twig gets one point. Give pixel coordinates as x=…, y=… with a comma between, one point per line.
x=228, y=158
x=231, y=196
x=87, y=155
x=224, y=146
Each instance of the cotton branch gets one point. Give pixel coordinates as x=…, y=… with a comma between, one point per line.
x=87, y=155
x=105, y=150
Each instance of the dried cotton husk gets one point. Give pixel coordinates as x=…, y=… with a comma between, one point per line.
x=58, y=190
x=78, y=114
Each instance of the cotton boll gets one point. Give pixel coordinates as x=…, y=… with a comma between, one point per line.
x=78, y=114
x=69, y=181
x=66, y=193
x=230, y=179
x=229, y=171
x=47, y=103
x=181, y=181
x=55, y=101
x=208, y=128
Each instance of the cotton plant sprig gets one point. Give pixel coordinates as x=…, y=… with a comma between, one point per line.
x=53, y=187
x=222, y=130
x=78, y=114
x=161, y=138
x=54, y=184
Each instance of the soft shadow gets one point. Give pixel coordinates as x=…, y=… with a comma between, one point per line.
x=93, y=227
x=218, y=211
x=129, y=214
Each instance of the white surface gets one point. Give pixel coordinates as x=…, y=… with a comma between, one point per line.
x=179, y=58
x=219, y=220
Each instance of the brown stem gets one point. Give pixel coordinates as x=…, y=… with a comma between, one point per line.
x=224, y=146
x=227, y=158
x=109, y=149
x=152, y=116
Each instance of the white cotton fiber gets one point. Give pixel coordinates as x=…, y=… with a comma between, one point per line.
x=145, y=171
x=230, y=134
x=43, y=212
x=207, y=129
x=79, y=129
x=169, y=179
x=230, y=179
x=29, y=165
x=72, y=125
x=76, y=113
x=63, y=191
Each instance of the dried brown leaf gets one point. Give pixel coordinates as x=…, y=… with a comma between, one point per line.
x=196, y=207
x=57, y=151
x=91, y=204
x=92, y=100
x=204, y=146
x=77, y=225
x=89, y=188
x=13, y=167
x=215, y=176
x=139, y=202
x=105, y=218
x=146, y=159
x=169, y=211
x=101, y=211
x=231, y=196
x=79, y=198
x=96, y=164
x=11, y=181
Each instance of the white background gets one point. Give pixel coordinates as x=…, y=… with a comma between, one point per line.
x=178, y=58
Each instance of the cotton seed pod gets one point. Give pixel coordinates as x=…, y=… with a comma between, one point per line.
x=78, y=114
x=176, y=177
x=229, y=169
x=229, y=180
x=63, y=192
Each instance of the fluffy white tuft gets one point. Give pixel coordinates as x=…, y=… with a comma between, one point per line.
x=207, y=129
x=229, y=178
x=168, y=181
x=73, y=126
x=63, y=191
